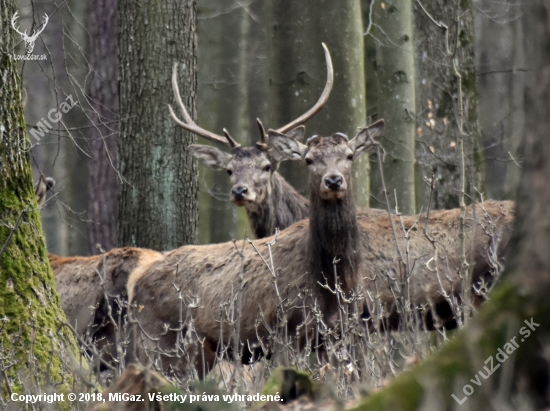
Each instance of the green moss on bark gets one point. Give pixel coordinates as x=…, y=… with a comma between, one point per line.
x=457, y=362
x=29, y=304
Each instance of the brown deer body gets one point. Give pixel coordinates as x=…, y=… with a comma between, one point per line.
x=206, y=276
x=93, y=293
x=433, y=267
x=427, y=247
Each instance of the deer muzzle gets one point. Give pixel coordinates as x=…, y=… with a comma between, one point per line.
x=333, y=186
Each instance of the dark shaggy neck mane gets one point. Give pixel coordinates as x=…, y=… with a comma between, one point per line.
x=333, y=233
x=283, y=207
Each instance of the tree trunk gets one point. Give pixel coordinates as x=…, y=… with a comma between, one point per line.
x=395, y=73
x=158, y=203
x=501, y=74
x=103, y=93
x=446, y=100
x=221, y=104
x=29, y=305
x=297, y=74
x=518, y=308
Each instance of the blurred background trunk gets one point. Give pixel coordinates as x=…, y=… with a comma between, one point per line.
x=446, y=101
x=103, y=95
x=395, y=74
x=501, y=76
x=297, y=75
x=64, y=151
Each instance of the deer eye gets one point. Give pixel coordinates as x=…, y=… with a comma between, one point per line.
x=267, y=168
x=350, y=157
x=309, y=161
x=229, y=172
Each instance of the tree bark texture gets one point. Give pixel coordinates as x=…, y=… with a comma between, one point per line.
x=520, y=303
x=103, y=94
x=29, y=304
x=158, y=203
x=446, y=100
x=297, y=74
x=395, y=72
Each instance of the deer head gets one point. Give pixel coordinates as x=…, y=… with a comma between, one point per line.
x=250, y=168
x=41, y=188
x=29, y=40
x=329, y=159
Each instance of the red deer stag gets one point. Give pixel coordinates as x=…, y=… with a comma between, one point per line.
x=270, y=202
x=428, y=247
x=177, y=300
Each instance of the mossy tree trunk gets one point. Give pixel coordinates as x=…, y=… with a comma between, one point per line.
x=519, y=308
x=103, y=92
x=446, y=101
x=158, y=203
x=395, y=73
x=297, y=74
x=29, y=304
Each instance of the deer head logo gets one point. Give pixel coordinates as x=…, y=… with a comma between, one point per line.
x=29, y=40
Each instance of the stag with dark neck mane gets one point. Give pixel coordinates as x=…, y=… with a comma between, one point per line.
x=194, y=281
x=334, y=243
x=270, y=202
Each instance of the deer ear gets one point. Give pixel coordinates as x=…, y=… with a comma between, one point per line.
x=287, y=147
x=275, y=157
x=210, y=156
x=297, y=133
x=367, y=137
x=40, y=191
x=42, y=187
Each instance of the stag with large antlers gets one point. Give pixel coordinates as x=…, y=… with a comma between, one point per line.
x=270, y=202
x=195, y=280
x=178, y=300
x=29, y=40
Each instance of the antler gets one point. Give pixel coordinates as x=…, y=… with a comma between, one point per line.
x=189, y=124
x=263, y=135
x=320, y=103
x=13, y=19
x=232, y=143
x=39, y=30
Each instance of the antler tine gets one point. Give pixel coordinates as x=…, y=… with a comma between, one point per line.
x=189, y=124
x=230, y=140
x=13, y=20
x=40, y=29
x=263, y=135
x=320, y=103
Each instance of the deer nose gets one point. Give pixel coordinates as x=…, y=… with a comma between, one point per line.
x=239, y=192
x=334, y=182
